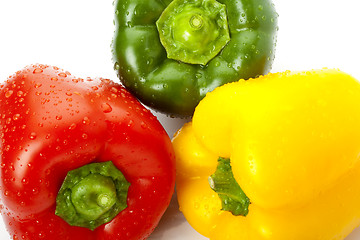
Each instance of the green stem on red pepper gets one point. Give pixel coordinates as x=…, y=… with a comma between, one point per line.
x=92, y=195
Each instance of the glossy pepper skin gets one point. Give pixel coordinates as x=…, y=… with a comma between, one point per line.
x=293, y=140
x=146, y=29
x=53, y=122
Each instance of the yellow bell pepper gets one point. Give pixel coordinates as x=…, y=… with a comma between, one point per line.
x=277, y=157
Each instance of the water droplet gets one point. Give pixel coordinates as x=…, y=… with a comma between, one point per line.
x=37, y=70
x=62, y=74
x=8, y=121
x=32, y=136
x=41, y=235
x=116, y=66
x=113, y=90
x=106, y=107
x=9, y=93
x=37, y=85
x=84, y=136
x=20, y=93
x=86, y=121
x=16, y=116
x=58, y=117
x=72, y=126
x=130, y=123
x=143, y=125
x=25, y=181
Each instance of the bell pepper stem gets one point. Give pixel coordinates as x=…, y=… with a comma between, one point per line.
x=196, y=22
x=92, y=195
x=193, y=32
x=232, y=197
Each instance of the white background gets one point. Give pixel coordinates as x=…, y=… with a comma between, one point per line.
x=76, y=35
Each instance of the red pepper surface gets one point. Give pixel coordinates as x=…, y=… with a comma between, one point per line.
x=53, y=122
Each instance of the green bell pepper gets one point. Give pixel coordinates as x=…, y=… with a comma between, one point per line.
x=169, y=54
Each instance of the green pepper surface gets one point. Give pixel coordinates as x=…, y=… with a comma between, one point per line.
x=169, y=54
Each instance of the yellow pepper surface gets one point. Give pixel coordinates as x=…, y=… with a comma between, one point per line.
x=293, y=140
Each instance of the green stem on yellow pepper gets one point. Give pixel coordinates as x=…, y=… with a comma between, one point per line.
x=232, y=197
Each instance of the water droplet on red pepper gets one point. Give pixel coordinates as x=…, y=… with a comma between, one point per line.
x=131, y=122
x=16, y=116
x=35, y=190
x=113, y=90
x=106, y=107
x=84, y=136
x=37, y=70
x=62, y=74
x=143, y=125
x=8, y=121
x=32, y=136
x=72, y=126
x=59, y=117
x=25, y=181
x=9, y=93
x=20, y=93
x=86, y=121
x=41, y=235
x=37, y=85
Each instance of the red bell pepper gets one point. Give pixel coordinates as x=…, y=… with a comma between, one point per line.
x=115, y=157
